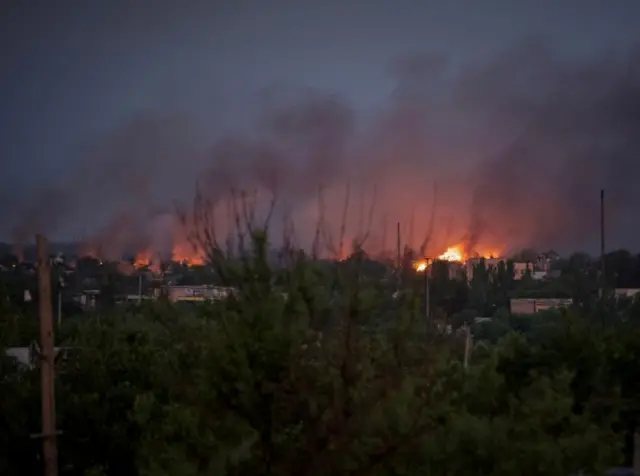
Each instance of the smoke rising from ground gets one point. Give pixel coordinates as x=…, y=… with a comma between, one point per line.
x=519, y=147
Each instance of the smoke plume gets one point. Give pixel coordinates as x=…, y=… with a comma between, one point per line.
x=517, y=148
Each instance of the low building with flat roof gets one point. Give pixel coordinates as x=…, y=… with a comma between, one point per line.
x=533, y=305
x=197, y=293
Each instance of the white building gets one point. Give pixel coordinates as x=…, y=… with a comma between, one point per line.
x=627, y=292
x=197, y=293
x=533, y=305
x=520, y=270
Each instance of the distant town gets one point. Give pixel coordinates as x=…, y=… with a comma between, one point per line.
x=86, y=283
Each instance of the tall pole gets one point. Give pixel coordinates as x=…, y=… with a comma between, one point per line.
x=398, y=246
x=47, y=371
x=384, y=233
x=140, y=289
x=427, y=292
x=467, y=344
x=59, y=309
x=636, y=451
x=602, y=270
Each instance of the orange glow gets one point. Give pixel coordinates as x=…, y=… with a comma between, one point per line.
x=453, y=253
x=185, y=253
x=421, y=266
x=457, y=254
x=142, y=259
x=486, y=253
x=181, y=253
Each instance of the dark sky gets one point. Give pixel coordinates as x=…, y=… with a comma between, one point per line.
x=76, y=72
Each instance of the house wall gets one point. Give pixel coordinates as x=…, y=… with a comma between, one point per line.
x=627, y=292
x=533, y=305
x=520, y=270
x=198, y=293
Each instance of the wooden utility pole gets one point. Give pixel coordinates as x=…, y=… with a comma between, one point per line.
x=602, y=267
x=468, y=344
x=636, y=452
x=427, y=291
x=47, y=362
x=398, y=246
x=59, y=309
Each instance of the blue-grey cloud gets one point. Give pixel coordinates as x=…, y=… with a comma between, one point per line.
x=114, y=111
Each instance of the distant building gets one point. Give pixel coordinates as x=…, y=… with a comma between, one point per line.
x=197, y=293
x=482, y=320
x=520, y=270
x=28, y=357
x=87, y=299
x=533, y=305
x=545, y=261
x=538, y=275
x=22, y=355
x=455, y=268
x=127, y=298
x=626, y=292
x=490, y=263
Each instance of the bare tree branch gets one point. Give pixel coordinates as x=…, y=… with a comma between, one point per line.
x=315, y=245
x=429, y=233
x=239, y=230
x=365, y=235
x=323, y=228
x=272, y=207
x=448, y=229
x=343, y=225
x=410, y=234
x=248, y=212
x=383, y=245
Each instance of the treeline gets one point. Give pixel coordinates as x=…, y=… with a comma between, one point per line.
x=317, y=370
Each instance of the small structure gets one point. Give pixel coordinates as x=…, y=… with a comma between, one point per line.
x=626, y=292
x=520, y=270
x=87, y=299
x=133, y=298
x=538, y=275
x=545, y=261
x=28, y=358
x=198, y=293
x=489, y=263
x=533, y=305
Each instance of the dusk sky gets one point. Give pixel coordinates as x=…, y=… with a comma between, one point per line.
x=75, y=71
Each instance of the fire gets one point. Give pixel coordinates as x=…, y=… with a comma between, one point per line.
x=421, y=266
x=487, y=253
x=456, y=253
x=181, y=253
x=453, y=253
x=188, y=260
x=143, y=259
x=184, y=253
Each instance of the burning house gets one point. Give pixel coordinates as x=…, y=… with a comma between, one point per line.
x=458, y=261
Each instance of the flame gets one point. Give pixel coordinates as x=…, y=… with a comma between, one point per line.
x=142, y=259
x=457, y=254
x=185, y=253
x=453, y=253
x=181, y=253
x=421, y=266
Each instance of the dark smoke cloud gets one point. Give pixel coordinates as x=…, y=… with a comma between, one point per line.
x=579, y=125
x=518, y=147
x=301, y=142
x=117, y=182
